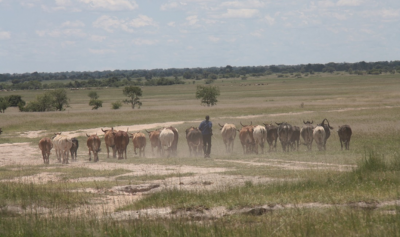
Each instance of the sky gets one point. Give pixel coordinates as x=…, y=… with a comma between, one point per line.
x=97, y=35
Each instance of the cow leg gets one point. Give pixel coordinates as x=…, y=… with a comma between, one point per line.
x=90, y=155
x=108, y=152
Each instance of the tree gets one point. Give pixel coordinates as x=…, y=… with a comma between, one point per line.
x=60, y=99
x=207, y=94
x=133, y=92
x=96, y=103
x=3, y=104
x=14, y=100
x=93, y=95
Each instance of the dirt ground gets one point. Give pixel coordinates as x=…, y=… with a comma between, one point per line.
x=23, y=154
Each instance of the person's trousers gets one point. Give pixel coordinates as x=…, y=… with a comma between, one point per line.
x=207, y=144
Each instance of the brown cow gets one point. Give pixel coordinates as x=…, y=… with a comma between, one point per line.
x=109, y=140
x=174, y=146
x=295, y=138
x=272, y=136
x=228, y=133
x=246, y=138
x=74, y=148
x=139, y=142
x=344, y=133
x=154, y=137
x=121, y=141
x=194, y=140
x=93, y=143
x=45, y=145
x=307, y=134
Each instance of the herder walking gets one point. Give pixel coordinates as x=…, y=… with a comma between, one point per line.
x=206, y=130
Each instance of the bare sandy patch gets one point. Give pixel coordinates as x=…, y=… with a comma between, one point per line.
x=19, y=153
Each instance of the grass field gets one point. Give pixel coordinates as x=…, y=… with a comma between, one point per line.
x=300, y=193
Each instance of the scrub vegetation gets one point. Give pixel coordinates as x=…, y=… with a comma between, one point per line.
x=300, y=193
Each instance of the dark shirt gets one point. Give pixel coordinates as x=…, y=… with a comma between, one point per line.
x=206, y=127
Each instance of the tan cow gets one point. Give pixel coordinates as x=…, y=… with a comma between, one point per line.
x=228, y=133
x=109, y=140
x=139, y=142
x=194, y=140
x=166, y=140
x=260, y=136
x=319, y=137
x=121, y=141
x=45, y=145
x=174, y=146
x=62, y=145
x=154, y=137
x=246, y=138
x=93, y=143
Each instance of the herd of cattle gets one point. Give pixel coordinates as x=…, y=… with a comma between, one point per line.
x=165, y=141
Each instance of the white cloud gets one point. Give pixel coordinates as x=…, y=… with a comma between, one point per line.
x=192, y=20
x=240, y=13
x=326, y=4
x=172, y=24
x=170, y=5
x=59, y=33
x=258, y=33
x=101, y=51
x=142, y=21
x=73, y=24
x=67, y=43
x=213, y=39
x=110, y=23
x=244, y=4
x=113, y=5
x=5, y=35
x=144, y=42
x=349, y=2
x=97, y=38
x=270, y=20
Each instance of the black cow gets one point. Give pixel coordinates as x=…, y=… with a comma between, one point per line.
x=344, y=133
x=327, y=129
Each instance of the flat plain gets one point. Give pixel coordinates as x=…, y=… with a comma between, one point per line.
x=300, y=193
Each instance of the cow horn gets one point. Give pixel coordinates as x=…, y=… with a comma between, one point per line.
x=103, y=130
x=87, y=135
x=251, y=123
x=220, y=125
x=147, y=131
x=304, y=122
x=242, y=124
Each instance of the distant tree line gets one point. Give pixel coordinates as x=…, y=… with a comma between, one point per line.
x=157, y=77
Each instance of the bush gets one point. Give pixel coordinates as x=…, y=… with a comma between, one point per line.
x=116, y=105
x=96, y=103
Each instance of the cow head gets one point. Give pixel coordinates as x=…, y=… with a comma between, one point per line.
x=251, y=123
x=105, y=131
x=308, y=122
x=325, y=125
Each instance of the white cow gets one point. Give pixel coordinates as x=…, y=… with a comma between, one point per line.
x=260, y=136
x=228, y=133
x=319, y=137
x=166, y=140
x=62, y=144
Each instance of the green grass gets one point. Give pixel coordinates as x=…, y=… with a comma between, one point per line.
x=369, y=104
